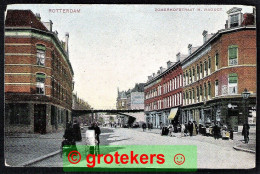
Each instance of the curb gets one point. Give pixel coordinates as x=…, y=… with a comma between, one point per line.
x=38, y=159
x=245, y=150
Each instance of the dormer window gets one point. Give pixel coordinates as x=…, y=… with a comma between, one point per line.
x=234, y=20
x=234, y=17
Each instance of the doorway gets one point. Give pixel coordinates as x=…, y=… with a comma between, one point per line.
x=40, y=118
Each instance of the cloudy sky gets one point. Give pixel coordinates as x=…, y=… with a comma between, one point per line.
x=119, y=45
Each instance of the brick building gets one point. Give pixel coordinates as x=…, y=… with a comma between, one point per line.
x=217, y=72
x=38, y=75
x=163, y=94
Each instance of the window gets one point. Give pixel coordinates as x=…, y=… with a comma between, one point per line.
x=40, y=83
x=170, y=85
x=190, y=76
x=178, y=85
x=193, y=95
x=198, y=94
x=232, y=55
x=232, y=83
x=180, y=98
x=19, y=113
x=201, y=69
x=193, y=74
x=40, y=55
x=209, y=90
x=184, y=81
x=216, y=88
x=175, y=81
x=205, y=68
x=205, y=91
x=209, y=65
x=216, y=61
x=198, y=72
x=180, y=80
x=234, y=20
x=184, y=98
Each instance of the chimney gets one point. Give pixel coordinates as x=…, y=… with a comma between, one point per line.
x=153, y=74
x=205, y=34
x=169, y=63
x=67, y=42
x=158, y=72
x=178, y=56
x=161, y=69
x=189, y=49
x=149, y=78
x=56, y=33
x=38, y=16
x=48, y=25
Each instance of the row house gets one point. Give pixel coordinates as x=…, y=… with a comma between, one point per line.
x=163, y=94
x=216, y=73
x=38, y=75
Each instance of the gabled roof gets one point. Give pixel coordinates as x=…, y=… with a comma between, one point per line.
x=23, y=18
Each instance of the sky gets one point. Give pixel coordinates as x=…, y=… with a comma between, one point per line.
x=117, y=46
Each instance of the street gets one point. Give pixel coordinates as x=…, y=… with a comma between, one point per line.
x=211, y=153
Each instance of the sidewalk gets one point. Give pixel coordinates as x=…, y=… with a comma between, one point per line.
x=23, y=148
x=237, y=142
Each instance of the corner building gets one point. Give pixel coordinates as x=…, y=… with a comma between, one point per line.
x=38, y=75
x=216, y=73
x=163, y=95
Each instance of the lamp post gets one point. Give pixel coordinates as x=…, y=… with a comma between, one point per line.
x=92, y=115
x=245, y=95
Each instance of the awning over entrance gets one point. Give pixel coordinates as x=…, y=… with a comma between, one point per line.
x=173, y=113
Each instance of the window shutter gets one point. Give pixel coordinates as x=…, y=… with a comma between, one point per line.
x=41, y=47
x=232, y=78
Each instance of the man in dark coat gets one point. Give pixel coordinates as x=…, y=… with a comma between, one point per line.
x=76, y=131
x=144, y=126
x=97, y=130
x=190, y=126
x=245, y=132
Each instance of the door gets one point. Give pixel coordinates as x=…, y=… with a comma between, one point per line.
x=40, y=118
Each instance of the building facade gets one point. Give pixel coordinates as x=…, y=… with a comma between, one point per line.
x=216, y=73
x=135, y=97
x=38, y=75
x=163, y=94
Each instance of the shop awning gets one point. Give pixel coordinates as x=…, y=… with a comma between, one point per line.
x=173, y=113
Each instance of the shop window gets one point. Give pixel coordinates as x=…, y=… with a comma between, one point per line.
x=232, y=83
x=216, y=88
x=40, y=83
x=40, y=55
x=232, y=55
x=19, y=114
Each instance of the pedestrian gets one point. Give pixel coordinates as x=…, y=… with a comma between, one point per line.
x=231, y=133
x=170, y=127
x=97, y=130
x=215, y=131
x=144, y=127
x=245, y=132
x=182, y=130
x=76, y=131
x=190, y=127
x=149, y=128
x=194, y=128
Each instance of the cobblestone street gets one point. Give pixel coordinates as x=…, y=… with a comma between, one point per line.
x=211, y=153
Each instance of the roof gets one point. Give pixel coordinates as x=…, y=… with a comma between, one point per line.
x=23, y=18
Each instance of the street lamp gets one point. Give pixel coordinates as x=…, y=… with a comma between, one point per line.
x=245, y=96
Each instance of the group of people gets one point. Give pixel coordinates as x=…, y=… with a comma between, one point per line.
x=149, y=125
x=72, y=133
